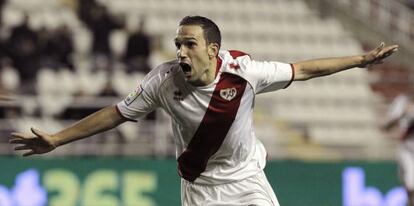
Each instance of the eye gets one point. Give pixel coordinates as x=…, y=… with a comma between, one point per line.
x=191, y=44
x=177, y=45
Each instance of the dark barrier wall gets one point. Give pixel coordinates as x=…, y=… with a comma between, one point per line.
x=144, y=182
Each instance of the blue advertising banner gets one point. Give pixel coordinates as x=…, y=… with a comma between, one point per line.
x=148, y=182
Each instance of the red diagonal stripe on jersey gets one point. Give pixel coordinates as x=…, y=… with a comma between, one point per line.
x=213, y=128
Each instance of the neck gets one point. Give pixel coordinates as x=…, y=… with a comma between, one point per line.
x=212, y=70
x=209, y=75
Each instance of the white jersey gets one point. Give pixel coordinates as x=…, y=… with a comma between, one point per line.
x=403, y=110
x=212, y=125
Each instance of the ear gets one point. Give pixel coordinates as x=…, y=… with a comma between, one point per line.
x=213, y=50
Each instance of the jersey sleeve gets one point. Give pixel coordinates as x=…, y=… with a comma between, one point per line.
x=142, y=100
x=397, y=107
x=266, y=76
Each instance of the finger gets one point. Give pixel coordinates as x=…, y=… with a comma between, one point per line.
x=20, y=138
x=379, y=48
x=18, y=135
x=38, y=132
x=393, y=48
x=375, y=52
x=31, y=152
x=13, y=137
x=390, y=49
x=386, y=53
x=23, y=147
x=18, y=141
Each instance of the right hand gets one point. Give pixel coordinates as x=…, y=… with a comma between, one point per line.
x=38, y=143
x=377, y=55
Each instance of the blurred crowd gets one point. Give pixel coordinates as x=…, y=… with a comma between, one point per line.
x=27, y=50
x=43, y=63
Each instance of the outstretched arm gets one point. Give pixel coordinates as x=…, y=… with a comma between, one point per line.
x=40, y=142
x=305, y=70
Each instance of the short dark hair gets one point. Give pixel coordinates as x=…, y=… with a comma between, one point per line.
x=210, y=29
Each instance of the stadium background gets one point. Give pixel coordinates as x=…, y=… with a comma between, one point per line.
x=73, y=57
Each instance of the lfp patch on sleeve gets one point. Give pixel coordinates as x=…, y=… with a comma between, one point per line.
x=133, y=95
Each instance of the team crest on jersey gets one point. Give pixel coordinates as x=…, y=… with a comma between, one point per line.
x=228, y=94
x=133, y=95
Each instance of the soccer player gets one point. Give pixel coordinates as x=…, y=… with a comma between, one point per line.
x=209, y=94
x=401, y=116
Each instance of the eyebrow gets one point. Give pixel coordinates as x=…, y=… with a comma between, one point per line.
x=185, y=38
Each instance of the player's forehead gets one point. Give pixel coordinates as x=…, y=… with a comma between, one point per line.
x=187, y=32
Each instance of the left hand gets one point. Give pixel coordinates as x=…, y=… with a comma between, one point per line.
x=37, y=143
x=377, y=55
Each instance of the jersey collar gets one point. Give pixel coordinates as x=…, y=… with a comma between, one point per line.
x=218, y=66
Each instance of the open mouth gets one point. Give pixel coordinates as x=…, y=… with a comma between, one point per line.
x=186, y=69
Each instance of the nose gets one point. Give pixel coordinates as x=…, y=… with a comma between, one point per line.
x=181, y=52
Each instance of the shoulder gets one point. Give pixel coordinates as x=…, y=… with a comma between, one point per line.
x=236, y=53
x=166, y=69
x=162, y=72
x=228, y=55
x=235, y=61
